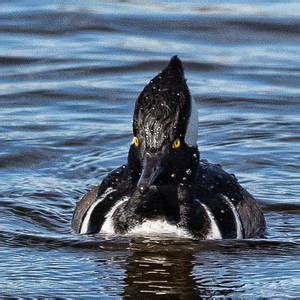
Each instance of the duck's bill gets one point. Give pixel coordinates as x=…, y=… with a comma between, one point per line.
x=151, y=170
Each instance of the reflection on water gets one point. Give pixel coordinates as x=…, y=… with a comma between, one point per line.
x=70, y=73
x=156, y=269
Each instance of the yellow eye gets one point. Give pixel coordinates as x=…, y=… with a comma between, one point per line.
x=135, y=141
x=176, y=144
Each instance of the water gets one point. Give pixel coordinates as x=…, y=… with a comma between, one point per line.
x=70, y=73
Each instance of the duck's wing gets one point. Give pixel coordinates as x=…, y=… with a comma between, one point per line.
x=235, y=210
x=91, y=209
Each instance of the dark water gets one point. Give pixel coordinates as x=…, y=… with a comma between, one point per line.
x=70, y=73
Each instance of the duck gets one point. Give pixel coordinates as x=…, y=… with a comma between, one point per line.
x=165, y=187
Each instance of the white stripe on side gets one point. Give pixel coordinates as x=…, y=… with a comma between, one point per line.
x=214, y=233
x=191, y=134
x=108, y=226
x=239, y=231
x=86, y=220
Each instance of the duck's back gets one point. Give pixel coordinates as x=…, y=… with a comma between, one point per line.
x=235, y=211
x=91, y=210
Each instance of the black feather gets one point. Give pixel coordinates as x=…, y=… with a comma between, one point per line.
x=162, y=109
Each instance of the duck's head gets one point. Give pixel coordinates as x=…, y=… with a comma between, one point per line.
x=165, y=126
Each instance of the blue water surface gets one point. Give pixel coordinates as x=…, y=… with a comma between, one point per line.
x=70, y=74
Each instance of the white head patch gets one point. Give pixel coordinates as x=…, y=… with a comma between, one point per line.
x=192, y=128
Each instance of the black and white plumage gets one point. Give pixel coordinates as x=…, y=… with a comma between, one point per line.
x=165, y=187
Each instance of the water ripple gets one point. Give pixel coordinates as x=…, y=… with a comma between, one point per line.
x=71, y=72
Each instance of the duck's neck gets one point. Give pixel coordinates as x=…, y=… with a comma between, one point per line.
x=181, y=171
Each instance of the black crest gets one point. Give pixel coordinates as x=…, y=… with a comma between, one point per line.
x=162, y=109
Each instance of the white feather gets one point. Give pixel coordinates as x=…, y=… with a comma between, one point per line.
x=192, y=128
x=107, y=226
x=214, y=232
x=239, y=232
x=159, y=227
x=86, y=221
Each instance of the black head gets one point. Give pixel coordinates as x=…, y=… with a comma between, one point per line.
x=165, y=120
